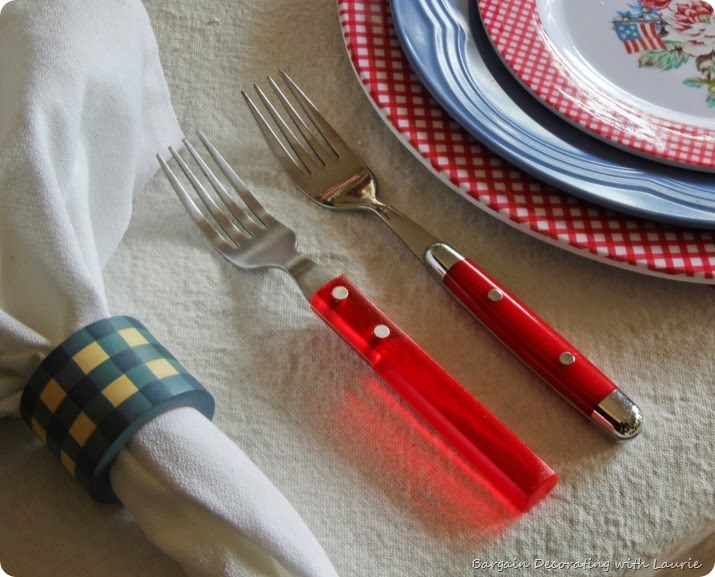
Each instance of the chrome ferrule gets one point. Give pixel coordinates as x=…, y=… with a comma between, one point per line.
x=440, y=257
x=618, y=416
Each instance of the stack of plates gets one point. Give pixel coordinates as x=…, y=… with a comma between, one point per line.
x=591, y=129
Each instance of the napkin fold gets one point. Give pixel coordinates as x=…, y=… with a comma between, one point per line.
x=84, y=107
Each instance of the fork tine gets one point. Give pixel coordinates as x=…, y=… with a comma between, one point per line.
x=241, y=215
x=294, y=170
x=250, y=201
x=208, y=230
x=290, y=138
x=315, y=145
x=332, y=138
x=318, y=150
x=224, y=222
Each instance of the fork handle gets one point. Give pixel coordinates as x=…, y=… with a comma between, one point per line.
x=508, y=465
x=538, y=345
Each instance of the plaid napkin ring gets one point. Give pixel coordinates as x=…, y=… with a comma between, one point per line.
x=100, y=386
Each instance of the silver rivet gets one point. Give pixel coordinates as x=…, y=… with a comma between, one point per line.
x=495, y=295
x=381, y=331
x=340, y=293
x=567, y=358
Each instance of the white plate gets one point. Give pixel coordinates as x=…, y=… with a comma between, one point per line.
x=638, y=75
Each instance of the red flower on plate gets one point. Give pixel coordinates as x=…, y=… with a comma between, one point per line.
x=691, y=22
x=655, y=4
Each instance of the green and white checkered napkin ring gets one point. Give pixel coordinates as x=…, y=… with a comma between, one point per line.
x=100, y=386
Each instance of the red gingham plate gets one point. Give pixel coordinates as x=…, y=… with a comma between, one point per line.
x=640, y=75
x=495, y=186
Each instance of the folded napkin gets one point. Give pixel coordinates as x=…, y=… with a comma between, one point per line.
x=84, y=108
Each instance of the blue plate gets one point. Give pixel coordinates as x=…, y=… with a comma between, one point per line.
x=448, y=48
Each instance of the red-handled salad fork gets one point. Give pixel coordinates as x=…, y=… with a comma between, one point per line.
x=249, y=237
x=324, y=167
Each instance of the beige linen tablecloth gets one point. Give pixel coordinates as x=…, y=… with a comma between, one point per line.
x=380, y=492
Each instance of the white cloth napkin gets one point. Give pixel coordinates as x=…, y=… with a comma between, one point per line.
x=84, y=108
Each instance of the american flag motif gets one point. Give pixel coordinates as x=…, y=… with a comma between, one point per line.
x=638, y=35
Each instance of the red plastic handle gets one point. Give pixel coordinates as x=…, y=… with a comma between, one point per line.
x=510, y=466
x=529, y=337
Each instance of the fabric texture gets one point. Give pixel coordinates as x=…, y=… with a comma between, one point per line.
x=382, y=494
x=251, y=527
x=84, y=108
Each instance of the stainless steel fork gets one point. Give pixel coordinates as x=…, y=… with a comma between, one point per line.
x=249, y=237
x=324, y=167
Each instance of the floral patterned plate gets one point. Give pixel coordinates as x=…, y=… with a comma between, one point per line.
x=639, y=74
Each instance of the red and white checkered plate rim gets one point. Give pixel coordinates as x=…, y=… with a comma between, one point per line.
x=490, y=183
x=516, y=31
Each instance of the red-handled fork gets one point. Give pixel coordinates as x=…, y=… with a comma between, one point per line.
x=251, y=238
x=331, y=174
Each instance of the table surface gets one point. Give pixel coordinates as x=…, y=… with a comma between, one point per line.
x=380, y=491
